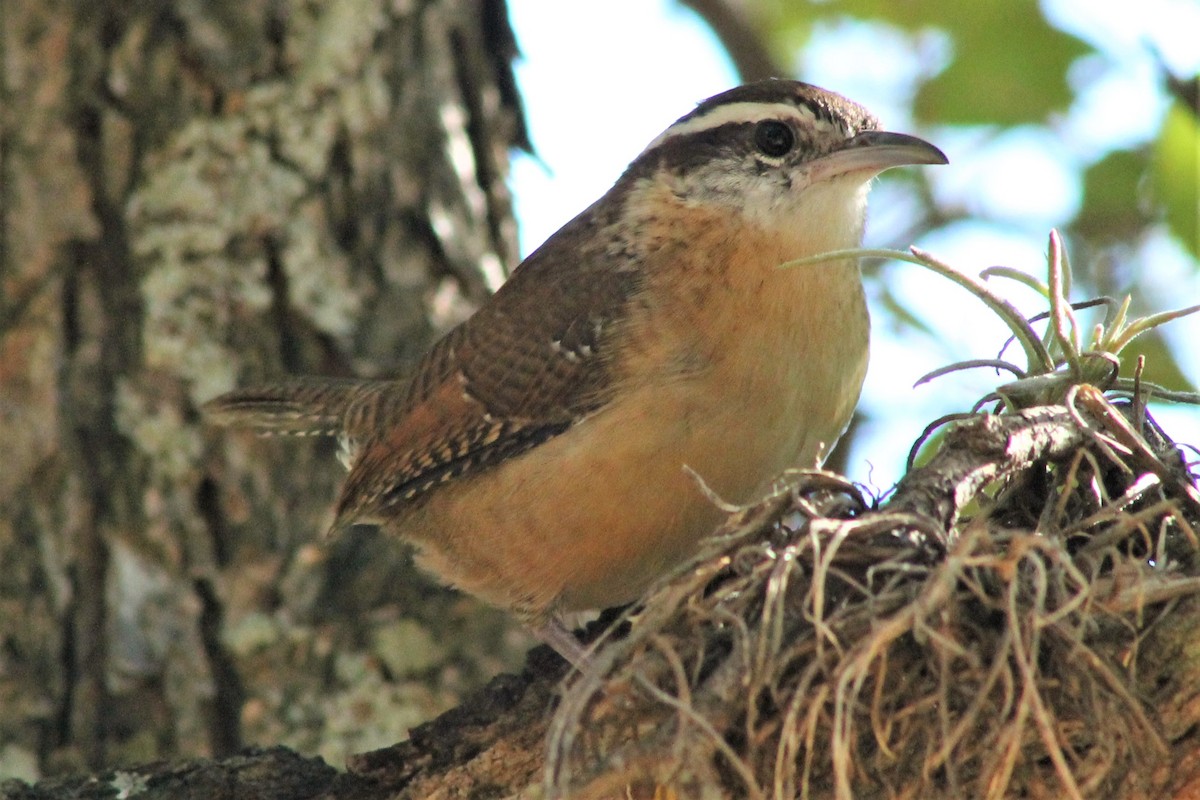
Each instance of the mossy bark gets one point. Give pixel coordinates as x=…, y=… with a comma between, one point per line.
x=194, y=195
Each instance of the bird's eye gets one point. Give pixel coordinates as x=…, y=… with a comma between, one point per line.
x=774, y=138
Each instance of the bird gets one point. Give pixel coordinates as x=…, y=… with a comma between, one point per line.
x=558, y=451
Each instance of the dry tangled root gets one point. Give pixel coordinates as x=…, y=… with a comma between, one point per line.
x=979, y=635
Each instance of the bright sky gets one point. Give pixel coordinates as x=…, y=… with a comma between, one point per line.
x=601, y=80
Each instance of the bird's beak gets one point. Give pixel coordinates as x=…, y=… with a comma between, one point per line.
x=872, y=152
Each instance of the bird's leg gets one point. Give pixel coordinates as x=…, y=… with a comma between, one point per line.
x=554, y=633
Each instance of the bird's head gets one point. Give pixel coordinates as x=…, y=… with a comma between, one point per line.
x=781, y=154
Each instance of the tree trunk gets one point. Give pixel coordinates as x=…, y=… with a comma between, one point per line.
x=194, y=195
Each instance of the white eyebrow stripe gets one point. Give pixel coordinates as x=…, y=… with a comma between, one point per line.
x=740, y=112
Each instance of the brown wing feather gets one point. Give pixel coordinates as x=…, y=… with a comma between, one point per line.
x=529, y=364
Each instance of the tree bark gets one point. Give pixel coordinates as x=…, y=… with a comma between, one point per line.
x=194, y=196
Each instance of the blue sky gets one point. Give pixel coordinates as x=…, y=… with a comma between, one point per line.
x=601, y=80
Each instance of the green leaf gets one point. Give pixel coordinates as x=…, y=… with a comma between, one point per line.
x=930, y=447
x=1175, y=175
x=1009, y=67
x=1111, y=189
x=1161, y=365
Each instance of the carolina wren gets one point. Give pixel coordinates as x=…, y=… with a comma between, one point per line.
x=536, y=457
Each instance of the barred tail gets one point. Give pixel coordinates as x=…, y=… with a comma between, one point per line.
x=295, y=406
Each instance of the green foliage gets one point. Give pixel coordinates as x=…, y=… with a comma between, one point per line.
x=1113, y=198
x=1009, y=65
x=1176, y=175
x=1161, y=367
x=1062, y=358
x=1006, y=64
x=1128, y=190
